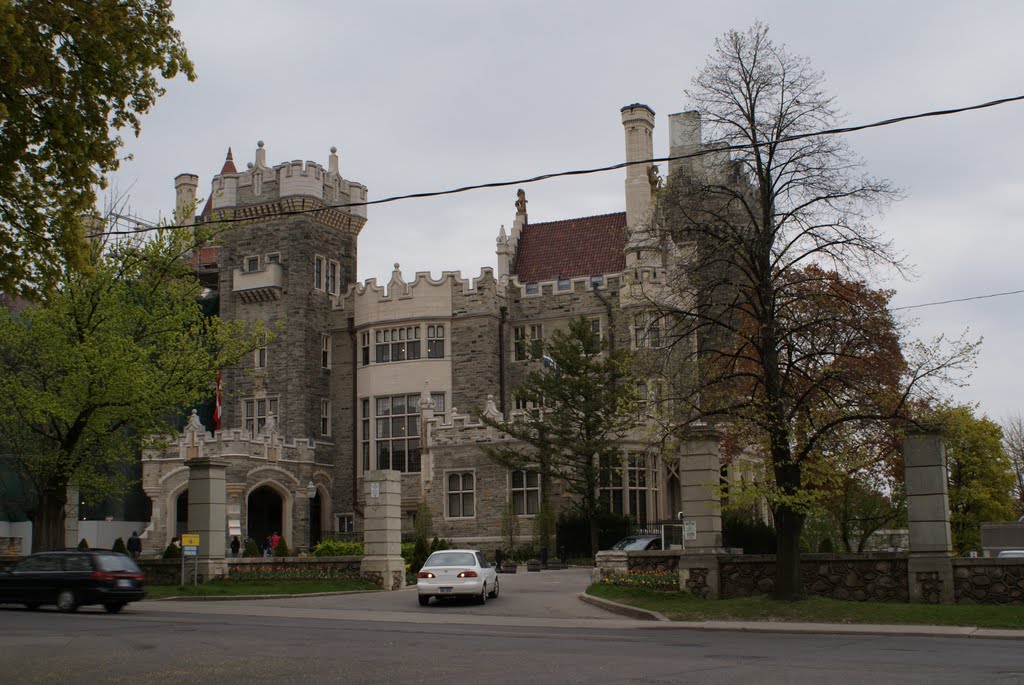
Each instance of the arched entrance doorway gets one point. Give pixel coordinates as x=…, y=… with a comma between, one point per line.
x=315, y=524
x=264, y=508
x=181, y=514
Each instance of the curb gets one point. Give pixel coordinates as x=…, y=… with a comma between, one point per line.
x=622, y=609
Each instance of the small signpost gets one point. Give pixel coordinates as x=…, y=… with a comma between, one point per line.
x=190, y=548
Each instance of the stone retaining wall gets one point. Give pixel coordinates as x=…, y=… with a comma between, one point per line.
x=877, y=577
x=988, y=581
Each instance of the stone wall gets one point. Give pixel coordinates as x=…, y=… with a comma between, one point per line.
x=880, y=577
x=988, y=581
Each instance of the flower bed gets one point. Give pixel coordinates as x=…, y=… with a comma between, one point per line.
x=663, y=581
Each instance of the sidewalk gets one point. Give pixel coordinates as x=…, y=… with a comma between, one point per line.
x=804, y=628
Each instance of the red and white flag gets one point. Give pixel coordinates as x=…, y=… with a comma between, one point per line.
x=216, y=407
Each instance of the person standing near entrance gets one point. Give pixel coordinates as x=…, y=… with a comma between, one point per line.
x=274, y=540
x=134, y=546
x=235, y=546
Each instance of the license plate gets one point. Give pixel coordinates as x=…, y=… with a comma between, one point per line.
x=124, y=582
x=446, y=589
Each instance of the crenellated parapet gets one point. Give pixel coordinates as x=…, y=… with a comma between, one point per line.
x=568, y=286
x=196, y=442
x=256, y=191
x=423, y=296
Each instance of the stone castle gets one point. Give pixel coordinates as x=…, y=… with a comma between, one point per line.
x=365, y=376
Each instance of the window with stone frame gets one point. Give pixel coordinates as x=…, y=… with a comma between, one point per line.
x=255, y=412
x=610, y=490
x=641, y=487
x=325, y=417
x=345, y=523
x=525, y=492
x=332, y=277
x=439, y=403
x=364, y=356
x=252, y=264
x=325, y=351
x=259, y=355
x=435, y=341
x=646, y=331
x=460, y=491
x=397, y=433
x=564, y=283
x=364, y=425
x=318, y=272
x=537, y=340
x=397, y=344
x=595, y=326
x=519, y=342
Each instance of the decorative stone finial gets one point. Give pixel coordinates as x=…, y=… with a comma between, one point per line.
x=520, y=201
x=332, y=162
x=490, y=409
x=261, y=155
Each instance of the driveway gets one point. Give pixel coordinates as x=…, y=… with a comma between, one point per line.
x=544, y=596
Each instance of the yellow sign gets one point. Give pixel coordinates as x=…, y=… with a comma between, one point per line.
x=189, y=539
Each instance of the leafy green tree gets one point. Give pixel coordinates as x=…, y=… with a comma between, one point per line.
x=981, y=476
x=583, y=400
x=72, y=76
x=107, y=360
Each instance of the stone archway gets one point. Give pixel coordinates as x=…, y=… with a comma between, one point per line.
x=265, y=509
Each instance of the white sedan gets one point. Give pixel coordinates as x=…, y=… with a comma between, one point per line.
x=457, y=573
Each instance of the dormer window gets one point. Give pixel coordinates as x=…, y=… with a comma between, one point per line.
x=531, y=288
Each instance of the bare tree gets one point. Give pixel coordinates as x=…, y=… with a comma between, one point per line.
x=1013, y=443
x=768, y=250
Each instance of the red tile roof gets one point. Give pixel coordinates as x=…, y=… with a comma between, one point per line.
x=229, y=164
x=571, y=248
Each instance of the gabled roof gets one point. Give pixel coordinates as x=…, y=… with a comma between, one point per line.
x=572, y=248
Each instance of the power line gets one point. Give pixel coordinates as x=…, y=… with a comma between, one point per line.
x=597, y=170
x=961, y=299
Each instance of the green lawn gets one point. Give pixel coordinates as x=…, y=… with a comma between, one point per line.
x=231, y=588
x=679, y=606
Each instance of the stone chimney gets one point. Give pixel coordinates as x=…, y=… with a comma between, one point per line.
x=684, y=139
x=638, y=122
x=185, y=186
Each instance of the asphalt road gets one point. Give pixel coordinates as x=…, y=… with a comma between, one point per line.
x=536, y=631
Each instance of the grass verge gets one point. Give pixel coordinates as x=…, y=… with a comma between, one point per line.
x=234, y=588
x=679, y=606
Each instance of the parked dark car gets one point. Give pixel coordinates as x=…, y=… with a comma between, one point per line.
x=638, y=543
x=71, y=579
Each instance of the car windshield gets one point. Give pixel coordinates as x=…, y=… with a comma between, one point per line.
x=112, y=563
x=451, y=559
x=632, y=543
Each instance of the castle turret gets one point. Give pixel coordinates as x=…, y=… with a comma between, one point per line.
x=684, y=139
x=185, y=186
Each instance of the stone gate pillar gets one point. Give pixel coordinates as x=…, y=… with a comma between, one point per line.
x=929, y=567
x=382, y=529
x=699, y=473
x=207, y=514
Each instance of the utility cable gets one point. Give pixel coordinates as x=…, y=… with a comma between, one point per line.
x=595, y=170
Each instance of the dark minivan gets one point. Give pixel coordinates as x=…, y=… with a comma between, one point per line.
x=73, y=578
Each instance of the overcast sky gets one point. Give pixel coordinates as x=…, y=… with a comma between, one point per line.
x=421, y=96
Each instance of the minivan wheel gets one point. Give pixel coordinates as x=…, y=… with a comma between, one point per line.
x=113, y=607
x=66, y=601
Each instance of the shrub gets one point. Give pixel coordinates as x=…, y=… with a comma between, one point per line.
x=282, y=548
x=82, y=544
x=172, y=552
x=119, y=546
x=338, y=548
x=662, y=581
x=752, y=534
x=509, y=530
x=251, y=549
x=574, y=532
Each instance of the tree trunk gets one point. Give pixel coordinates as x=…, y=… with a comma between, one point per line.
x=789, y=525
x=48, y=519
x=594, y=544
